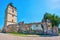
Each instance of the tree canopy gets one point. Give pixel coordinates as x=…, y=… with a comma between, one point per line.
x=53, y=18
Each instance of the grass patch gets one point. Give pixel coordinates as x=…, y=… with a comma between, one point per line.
x=19, y=34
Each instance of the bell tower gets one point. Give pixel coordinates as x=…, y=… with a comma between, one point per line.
x=10, y=16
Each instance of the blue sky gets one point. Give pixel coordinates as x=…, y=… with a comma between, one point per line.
x=30, y=10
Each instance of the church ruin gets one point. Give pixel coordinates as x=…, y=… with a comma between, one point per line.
x=11, y=25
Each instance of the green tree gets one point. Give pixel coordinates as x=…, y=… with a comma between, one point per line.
x=53, y=18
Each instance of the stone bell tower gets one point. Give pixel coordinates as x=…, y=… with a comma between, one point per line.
x=10, y=15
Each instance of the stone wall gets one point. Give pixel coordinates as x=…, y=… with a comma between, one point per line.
x=23, y=27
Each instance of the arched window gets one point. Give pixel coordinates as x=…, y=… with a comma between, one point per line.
x=12, y=11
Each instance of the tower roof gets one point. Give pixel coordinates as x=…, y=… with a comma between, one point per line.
x=11, y=4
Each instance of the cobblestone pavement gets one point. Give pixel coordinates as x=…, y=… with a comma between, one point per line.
x=11, y=37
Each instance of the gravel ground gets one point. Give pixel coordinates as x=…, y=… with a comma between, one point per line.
x=12, y=37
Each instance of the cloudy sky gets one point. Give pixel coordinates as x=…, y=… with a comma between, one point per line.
x=30, y=10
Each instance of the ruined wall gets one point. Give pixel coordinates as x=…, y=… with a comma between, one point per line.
x=27, y=28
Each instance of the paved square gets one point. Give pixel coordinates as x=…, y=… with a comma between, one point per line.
x=11, y=37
